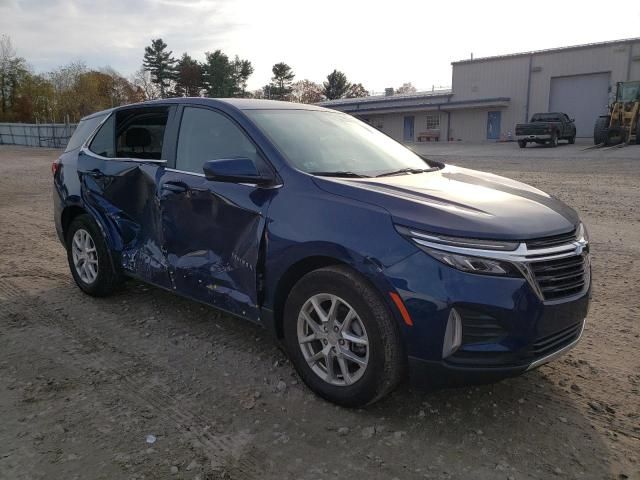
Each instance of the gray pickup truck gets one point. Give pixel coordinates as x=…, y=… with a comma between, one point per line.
x=546, y=128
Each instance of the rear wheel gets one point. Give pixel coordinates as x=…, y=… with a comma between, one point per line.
x=341, y=337
x=89, y=258
x=600, y=130
x=522, y=143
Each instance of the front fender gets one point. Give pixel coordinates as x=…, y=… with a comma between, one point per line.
x=309, y=224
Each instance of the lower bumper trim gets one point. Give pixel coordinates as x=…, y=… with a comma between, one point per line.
x=435, y=374
x=558, y=353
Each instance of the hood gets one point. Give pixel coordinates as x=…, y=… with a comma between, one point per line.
x=461, y=202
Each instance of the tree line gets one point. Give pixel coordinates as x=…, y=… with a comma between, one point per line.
x=219, y=77
x=72, y=91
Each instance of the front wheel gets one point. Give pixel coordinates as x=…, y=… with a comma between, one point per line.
x=522, y=143
x=89, y=258
x=341, y=338
x=572, y=140
x=554, y=140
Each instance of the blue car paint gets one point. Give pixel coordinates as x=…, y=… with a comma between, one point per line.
x=231, y=245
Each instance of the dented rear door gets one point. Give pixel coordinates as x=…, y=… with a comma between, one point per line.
x=213, y=231
x=122, y=190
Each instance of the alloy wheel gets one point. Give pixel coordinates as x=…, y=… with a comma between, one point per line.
x=85, y=256
x=333, y=339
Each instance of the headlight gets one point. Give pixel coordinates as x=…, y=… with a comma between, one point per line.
x=440, y=246
x=473, y=264
x=582, y=233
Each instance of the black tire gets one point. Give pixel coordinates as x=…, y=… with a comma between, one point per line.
x=107, y=278
x=387, y=361
x=600, y=130
x=614, y=136
x=572, y=140
x=554, y=140
x=522, y=143
x=638, y=131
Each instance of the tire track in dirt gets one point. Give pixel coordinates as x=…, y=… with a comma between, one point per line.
x=221, y=450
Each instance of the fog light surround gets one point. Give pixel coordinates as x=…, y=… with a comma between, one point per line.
x=453, y=334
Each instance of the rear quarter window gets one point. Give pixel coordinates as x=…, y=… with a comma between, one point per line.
x=82, y=132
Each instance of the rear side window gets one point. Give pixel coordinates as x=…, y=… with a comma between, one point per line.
x=82, y=131
x=545, y=117
x=102, y=143
x=132, y=133
x=209, y=135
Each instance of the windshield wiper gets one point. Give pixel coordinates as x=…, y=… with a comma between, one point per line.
x=402, y=171
x=339, y=174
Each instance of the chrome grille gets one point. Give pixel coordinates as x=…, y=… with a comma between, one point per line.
x=561, y=277
x=552, y=241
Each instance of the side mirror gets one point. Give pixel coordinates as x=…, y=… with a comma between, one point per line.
x=234, y=170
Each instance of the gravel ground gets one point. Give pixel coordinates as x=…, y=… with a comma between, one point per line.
x=147, y=385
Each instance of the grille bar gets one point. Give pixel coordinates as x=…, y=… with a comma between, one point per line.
x=561, y=277
x=553, y=241
x=557, y=340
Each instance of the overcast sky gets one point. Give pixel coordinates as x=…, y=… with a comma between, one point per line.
x=380, y=44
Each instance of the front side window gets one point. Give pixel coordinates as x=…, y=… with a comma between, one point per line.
x=323, y=141
x=132, y=133
x=208, y=135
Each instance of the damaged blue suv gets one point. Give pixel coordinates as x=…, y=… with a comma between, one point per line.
x=364, y=259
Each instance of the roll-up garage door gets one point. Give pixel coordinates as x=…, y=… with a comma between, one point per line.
x=583, y=97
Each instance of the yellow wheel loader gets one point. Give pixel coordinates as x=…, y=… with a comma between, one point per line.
x=622, y=124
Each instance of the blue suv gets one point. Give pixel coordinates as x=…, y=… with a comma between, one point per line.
x=365, y=260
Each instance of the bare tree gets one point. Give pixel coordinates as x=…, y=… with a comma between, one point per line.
x=142, y=79
x=406, y=88
x=12, y=69
x=306, y=91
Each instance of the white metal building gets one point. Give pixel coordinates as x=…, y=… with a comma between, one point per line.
x=490, y=95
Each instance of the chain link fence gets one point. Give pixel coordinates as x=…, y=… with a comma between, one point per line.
x=48, y=135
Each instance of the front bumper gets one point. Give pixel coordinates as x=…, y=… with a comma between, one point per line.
x=507, y=328
x=436, y=374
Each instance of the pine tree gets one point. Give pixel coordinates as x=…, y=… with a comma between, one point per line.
x=188, y=77
x=161, y=65
x=336, y=85
x=225, y=78
x=281, y=81
x=241, y=70
x=217, y=75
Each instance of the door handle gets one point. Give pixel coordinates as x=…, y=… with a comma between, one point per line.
x=95, y=173
x=175, y=187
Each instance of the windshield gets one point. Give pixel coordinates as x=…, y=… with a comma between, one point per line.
x=629, y=92
x=328, y=143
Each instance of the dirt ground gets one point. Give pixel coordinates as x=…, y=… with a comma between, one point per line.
x=84, y=382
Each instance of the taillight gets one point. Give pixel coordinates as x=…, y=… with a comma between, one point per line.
x=55, y=167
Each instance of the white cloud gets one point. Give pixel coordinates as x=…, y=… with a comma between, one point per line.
x=378, y=43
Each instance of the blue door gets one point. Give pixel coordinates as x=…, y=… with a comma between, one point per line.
x=493, y=125
x=408, y=128
x=212, y=230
